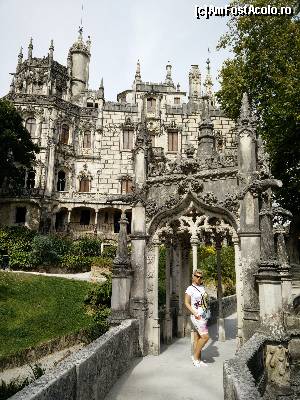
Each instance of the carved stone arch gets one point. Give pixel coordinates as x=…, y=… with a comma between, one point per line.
x=180, y=208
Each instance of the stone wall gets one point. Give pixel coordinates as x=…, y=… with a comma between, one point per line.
x=229, y=307
x=244, y=374
x=91, y=372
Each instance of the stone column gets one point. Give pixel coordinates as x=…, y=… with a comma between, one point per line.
x=168, y=319
x=239, y=291
x=138, y=302
x=50, y=169
x=195, y=244
x=221, y=326
x=249, y=232
x=284, y=269
x=186, y=274
x=96, y=222
x=268, y=277
x=181, y=290
x=121, y=278
x=156, y=326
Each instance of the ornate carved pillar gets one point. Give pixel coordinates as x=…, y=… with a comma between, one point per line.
x=121, y=277
x=168, y=319
x=50, y=169
x=221, y=326
x=284, y=269
x=268, y=277
x=195, y=244
x=249, y=232
x=138, y=302
x=155, y=326
x=239, y=290
x=181, y=290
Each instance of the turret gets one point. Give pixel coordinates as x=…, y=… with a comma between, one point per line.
x=79, y=59
x=194, y=83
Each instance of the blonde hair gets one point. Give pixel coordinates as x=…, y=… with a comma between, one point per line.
x=198, y=271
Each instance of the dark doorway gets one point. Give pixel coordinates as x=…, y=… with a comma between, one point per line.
x=85, y=217
x=21, y=215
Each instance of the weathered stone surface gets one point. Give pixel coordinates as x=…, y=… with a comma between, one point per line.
x=91, y=372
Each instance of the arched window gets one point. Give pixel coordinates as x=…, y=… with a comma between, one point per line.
x=31, y=126
x=126, y=185
x=84, y=185
x=151, y=104
x=61, y=181
x=64, y=137
x=30, y=181
x=87, y=140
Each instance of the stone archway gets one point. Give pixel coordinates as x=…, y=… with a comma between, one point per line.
x=180, y=229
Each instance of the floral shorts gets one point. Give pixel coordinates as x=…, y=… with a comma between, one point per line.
x=200, y=325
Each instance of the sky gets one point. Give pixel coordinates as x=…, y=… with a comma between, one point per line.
x=122, y=31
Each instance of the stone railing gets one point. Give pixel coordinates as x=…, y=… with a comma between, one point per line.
x=244, y=376
x=229, y=307
x=21, y=192
x=90, y=373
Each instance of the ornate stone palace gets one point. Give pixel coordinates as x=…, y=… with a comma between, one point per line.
x=178, y=170
x=87, y=144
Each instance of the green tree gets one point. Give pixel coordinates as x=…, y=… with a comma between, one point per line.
x=17, y=151
x=266, y=65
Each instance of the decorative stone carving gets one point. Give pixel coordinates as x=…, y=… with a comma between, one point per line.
x=277, y=365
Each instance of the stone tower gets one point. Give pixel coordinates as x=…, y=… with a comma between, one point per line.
x=78, y=63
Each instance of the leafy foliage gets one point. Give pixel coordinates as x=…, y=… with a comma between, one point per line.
x=98, y=300
x=100, y=294
x=86, y=247
x=16, y=147
x=75, y=263
x=266, y=65
x=109, y=252
x=101, y=262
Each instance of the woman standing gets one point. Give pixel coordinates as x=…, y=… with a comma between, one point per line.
x=196, y=301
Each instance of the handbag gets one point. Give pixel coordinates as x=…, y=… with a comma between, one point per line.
x=207, y=313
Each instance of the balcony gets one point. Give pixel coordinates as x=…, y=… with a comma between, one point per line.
x=22, y=192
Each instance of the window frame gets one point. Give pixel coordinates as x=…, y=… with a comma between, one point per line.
x=30, y=125
x=87, y=133
x=87, y=181
x=64, y=135
x=171, y=140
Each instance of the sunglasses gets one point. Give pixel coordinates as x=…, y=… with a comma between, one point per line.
x=198, y=276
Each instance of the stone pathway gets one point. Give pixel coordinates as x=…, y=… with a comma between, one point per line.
x=81, y=276
x=172, y=376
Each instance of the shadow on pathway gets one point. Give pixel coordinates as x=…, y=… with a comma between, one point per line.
x=172, y=376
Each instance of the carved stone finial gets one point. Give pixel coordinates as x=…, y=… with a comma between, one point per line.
x=245, y=108
x=30, y=48
x=168, y=80
x=137, y=77
x=51, y=50
x=121, y=260
x=88, y=43
x=208, y=81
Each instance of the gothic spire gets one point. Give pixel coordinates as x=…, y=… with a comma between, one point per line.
x=208, y=80
x=137, y=77
x=245, y=108
x=101, y=90
x=20, y=57
x=51, y=50
x=30, y=48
